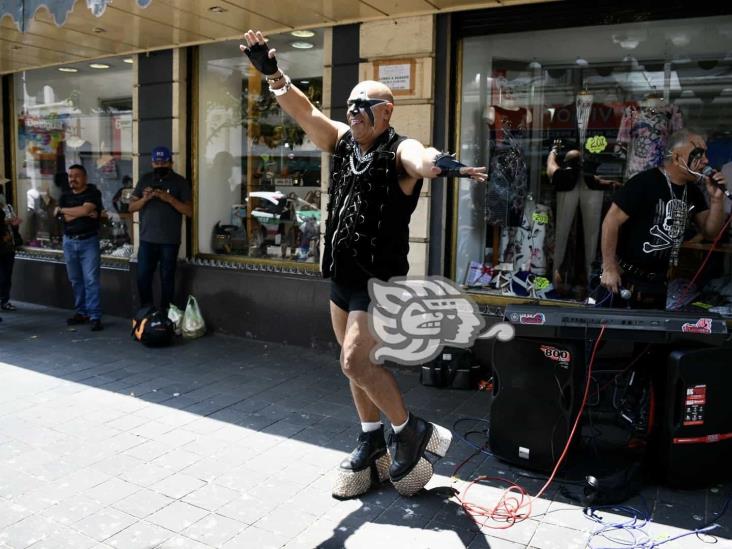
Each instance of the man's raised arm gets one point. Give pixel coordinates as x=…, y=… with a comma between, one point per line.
x=321, y=130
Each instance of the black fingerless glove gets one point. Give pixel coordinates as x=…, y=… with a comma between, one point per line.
x=448, y=165
x=258, y=54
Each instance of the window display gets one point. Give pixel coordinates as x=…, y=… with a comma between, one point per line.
x=258, y=174
x=75, y=114
x=564, y=128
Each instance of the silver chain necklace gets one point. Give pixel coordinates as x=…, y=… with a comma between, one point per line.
x=679, y=215
x=356, y=156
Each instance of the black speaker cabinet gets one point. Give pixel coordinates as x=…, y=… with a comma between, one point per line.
x=538, y=386
x=694, y=445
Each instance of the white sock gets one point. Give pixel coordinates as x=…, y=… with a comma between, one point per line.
x=398, y=428
x=368, y=426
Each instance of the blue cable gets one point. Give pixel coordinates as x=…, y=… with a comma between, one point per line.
x=481, y=449
x=633, y=527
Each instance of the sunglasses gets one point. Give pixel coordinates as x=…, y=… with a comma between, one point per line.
x=364, y=104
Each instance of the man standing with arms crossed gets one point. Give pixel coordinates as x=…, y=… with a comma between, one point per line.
x=80, y=209
x=375, y=183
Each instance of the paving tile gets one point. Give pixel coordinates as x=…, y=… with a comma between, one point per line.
x=104, y=523
x=211, y=496
x=111, y=491
x=143, y=503
x=550, y=536
x=214, y=530
x=72, y=510
x=254, y=537
x=177, y=516
x=182, y=542
x=140, y=535
x=27, y=531
x=63, y=537
x=178, y=485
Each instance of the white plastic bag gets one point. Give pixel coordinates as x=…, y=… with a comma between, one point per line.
x=193, y=325
x=175, y=315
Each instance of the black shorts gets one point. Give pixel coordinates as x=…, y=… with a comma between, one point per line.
x=349, y=298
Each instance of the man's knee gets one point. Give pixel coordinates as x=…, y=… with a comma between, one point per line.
x=355, y=360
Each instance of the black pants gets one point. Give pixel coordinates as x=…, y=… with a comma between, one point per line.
x=148, y=257
x=645, y=294
x=6, y=276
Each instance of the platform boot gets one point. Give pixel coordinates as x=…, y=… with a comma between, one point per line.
x=367, y=466
x=413, y=451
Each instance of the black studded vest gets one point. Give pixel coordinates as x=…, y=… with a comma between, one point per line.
x=367, y=230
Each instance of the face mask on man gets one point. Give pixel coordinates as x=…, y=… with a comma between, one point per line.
x=161, y=171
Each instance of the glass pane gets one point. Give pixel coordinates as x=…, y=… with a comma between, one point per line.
x=78, y=115
x=607, y=99
x=258, y=173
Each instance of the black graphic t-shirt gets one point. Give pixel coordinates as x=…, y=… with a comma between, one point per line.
x=646, y=239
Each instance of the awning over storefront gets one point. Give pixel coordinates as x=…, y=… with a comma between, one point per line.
x=37, y=33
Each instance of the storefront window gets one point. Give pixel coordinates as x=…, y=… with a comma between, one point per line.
x=258, y=173
x=607, y=98
x=75, y=114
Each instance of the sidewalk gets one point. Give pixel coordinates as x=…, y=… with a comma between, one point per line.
x=230, y=442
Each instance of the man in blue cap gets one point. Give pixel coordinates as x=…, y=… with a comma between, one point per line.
x=162, y=197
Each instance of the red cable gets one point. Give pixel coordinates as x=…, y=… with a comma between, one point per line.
x=706, y=259
x=511, y=509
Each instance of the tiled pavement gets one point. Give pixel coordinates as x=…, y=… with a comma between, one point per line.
x=229, y=442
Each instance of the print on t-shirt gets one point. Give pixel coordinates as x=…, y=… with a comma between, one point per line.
x=668, y=225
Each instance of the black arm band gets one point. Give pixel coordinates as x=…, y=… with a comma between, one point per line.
x=449, y=166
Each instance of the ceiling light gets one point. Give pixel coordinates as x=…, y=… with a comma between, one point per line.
x=304, y=81
x=302, y=45
x=217, y=9
x=68, y=69
x=128, y=60
x=582, y=62
x=99, y=66
x=99, y=30
x=535, y=65
x=303, y=33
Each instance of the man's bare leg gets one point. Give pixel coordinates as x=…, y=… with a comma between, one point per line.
x=373, y=386
x=368, y=464
x=367, y=410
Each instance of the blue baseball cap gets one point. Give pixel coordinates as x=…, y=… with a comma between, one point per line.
x=161, y=154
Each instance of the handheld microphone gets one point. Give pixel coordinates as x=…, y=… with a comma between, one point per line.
x=625, y=294
x=708, y=172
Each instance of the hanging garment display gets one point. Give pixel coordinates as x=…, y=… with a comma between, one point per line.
x=507, y=188
x=644, y=132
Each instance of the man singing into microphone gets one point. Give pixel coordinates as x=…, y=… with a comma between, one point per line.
x=644, y=228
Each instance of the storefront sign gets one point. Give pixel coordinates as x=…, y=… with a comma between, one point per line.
x=398, y=74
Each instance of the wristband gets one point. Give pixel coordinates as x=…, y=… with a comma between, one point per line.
x=274, y=79
x=284, y=89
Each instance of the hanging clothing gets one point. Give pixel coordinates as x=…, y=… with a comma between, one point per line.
x=644, y=132
x=523, y=246
x=509, y=176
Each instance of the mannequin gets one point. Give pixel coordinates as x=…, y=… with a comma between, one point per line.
x=579, y=195
x=509, y=125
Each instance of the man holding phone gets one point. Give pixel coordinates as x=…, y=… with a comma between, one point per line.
x=162, y=197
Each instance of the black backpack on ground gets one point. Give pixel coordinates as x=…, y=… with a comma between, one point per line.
x=152, y=327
